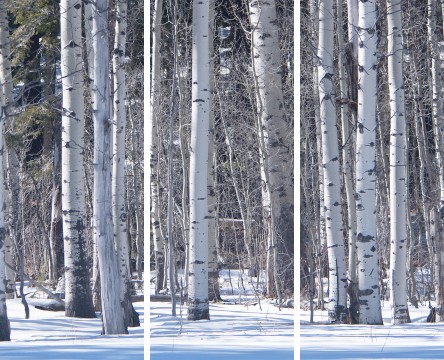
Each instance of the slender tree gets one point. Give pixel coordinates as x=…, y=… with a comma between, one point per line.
x=77, y=287
x=330, y=161
x=398, y=175
x=154, y=148
x=5, y=330
x=198, y=307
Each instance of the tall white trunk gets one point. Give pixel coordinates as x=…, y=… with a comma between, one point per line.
x=112, y=309
x=10, y=163
x=337, y=308
x=368, y=271
x=198, y=307
x=275, y=132
x=119, y=168
x=77, y=287
x=5, y=330
x=398, y=172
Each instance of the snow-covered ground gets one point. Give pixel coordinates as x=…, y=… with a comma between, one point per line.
x=50, y=335
x=418, y=340
x=242, y=328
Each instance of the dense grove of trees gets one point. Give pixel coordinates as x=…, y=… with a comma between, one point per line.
x=70, y=78
x=372, y=175
x=221, y=152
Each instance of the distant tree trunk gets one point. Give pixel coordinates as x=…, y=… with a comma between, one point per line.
x=154, y=150
x=436, y=211
x=12, y=184
x=320, y=210
x=368, y=272
x=398, y=167
x=5, y=330
x=198, y=307
x=112, y=309
x=77, y=286
x=275, y=133
x=55, y=236
x=213, y=271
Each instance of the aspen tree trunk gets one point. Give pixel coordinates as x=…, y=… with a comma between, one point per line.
x=436, y=222
x=398, y=167
x=337, y=308
x=367, y=255
x=5, y=330
x=77, y=288
x=198, y=307
x=119, y=166
x=112, y=310
x=347, y=169
x=89, y=61
x=275, y=133
x=10, y=166
x=213, y=271
x=154, y=150
x=321, y=208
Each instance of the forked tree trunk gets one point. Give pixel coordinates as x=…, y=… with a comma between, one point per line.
x=368, y=272
x=398, y=167
x=198, y=307
x=77, y=286
x=112, y=309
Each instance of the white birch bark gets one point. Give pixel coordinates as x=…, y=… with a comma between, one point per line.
x=77, y=288
x=112, y=309
x=337, y=308
x=368, y=271
x=5, y=330
x=198, y=307
x=275, y=134
x=398, y=172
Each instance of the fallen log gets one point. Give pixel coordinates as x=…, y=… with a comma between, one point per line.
x=162, y=298
x=46, y=304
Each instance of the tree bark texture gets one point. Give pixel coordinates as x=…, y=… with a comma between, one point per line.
x=198, y=307
x=77, y=286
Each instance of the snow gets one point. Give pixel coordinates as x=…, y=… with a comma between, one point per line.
x=50, y=335
x=418, y=340
x=243, y=327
